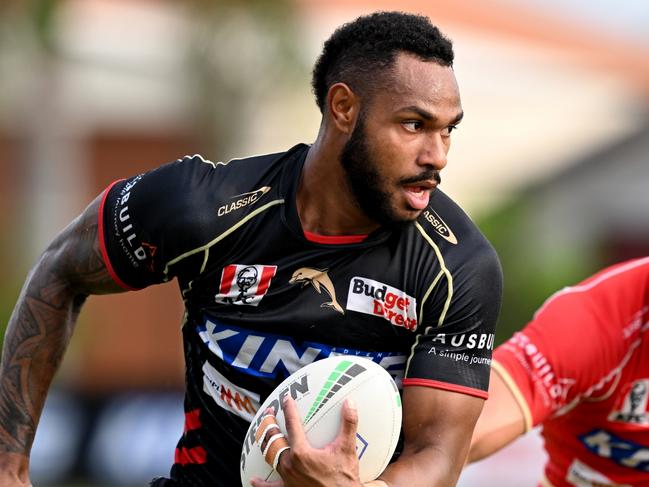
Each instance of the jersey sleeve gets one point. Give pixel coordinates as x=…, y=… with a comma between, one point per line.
x=564, y=354
x=148, y=220
x=453, y=352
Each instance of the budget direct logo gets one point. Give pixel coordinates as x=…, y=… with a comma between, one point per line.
x=378, y=299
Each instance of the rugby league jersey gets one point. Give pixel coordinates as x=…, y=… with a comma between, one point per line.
x=263, y=299
x=581, y=370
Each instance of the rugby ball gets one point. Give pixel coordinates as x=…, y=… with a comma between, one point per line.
x=319, y=390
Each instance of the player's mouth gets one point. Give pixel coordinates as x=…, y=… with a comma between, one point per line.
x=418, y=194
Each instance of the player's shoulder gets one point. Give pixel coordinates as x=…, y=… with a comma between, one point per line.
x=609, y=289
x=240, y=168
x=235, y=181
x=448, y=228
x=634, y=272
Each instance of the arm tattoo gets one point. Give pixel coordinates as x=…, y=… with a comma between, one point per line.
x=41, y=325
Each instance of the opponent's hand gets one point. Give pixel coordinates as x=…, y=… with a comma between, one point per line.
x=14, y=470
x=12, y=481
x=301, y=464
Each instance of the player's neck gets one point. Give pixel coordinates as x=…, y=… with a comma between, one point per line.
x=325, y=203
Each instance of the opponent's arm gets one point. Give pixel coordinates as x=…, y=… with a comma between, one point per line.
x=501, y=421
x=39, y=331
x=437, y=427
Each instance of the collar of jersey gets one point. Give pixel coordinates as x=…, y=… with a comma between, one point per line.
x=291, y=170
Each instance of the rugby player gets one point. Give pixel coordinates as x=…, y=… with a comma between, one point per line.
x=343, y=246
x=579, y=370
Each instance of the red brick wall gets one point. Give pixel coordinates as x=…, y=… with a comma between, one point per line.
x=130, y=340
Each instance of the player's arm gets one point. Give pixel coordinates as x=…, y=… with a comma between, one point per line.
x=437, y=427
x=501, y=421
x=39, y=331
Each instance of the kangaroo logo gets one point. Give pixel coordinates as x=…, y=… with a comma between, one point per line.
x=319, y=279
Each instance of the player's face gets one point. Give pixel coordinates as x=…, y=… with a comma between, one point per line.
x=400, y=141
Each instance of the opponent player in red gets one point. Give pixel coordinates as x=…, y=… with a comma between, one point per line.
x=580, y=369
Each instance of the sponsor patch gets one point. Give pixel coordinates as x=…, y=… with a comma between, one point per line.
x=623, y=452
x=267, y=355
x=126, y=230
x=237, y=400
x=319, y=279
x=461, y=347
x=440, y=226
x=242, y=200
x=631, y=407
x=581, y=475
x=377, y=299
x=553, y=389
x=244, y=284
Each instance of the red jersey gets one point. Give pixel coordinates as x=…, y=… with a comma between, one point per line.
x=580, y=369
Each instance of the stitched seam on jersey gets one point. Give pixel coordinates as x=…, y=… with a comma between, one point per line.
x=615, y=373
x=594, y=283
x=518, y=395
x=205, y=248
x=449, y=278
x=428, y=291
x=205, y=257
x=207, y=161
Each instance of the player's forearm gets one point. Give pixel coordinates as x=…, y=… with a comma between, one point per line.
x=429, y=467
x=36, y=338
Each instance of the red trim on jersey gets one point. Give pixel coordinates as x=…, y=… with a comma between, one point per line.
x=267, y=274
x=192, y=420
x=333, y=239
x=102, y=243
x=196, y=455
x=447, y=387
x=227, y=278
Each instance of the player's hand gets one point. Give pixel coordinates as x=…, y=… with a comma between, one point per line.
x=301, y=464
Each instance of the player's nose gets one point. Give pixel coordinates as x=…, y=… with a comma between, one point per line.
x=433, y=152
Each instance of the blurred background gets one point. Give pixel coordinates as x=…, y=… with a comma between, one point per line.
x=551, y=161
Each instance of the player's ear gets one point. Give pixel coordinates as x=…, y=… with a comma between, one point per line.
x=343, y=105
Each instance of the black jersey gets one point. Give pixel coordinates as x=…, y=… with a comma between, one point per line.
x=263, y=299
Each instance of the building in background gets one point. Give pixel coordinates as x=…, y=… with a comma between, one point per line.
x=551, y=160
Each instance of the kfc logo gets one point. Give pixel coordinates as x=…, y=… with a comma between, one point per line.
x=633, y=407
x=244, y=284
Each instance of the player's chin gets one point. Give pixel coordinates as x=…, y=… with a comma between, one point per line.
x=402, y=218
x=409, y=214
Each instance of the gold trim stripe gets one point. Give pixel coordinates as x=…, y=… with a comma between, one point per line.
x=449, y=279
x=206, y=248
x=445, y=271
x=518, y=395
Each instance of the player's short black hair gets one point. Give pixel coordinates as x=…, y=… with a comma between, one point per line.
x=358, y=52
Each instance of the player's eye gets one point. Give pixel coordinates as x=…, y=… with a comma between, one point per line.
x=447, y=131
x=412, y=125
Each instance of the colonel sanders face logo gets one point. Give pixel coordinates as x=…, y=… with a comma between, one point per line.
x=632, y=407
x=246, y=278
x=244, y=284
